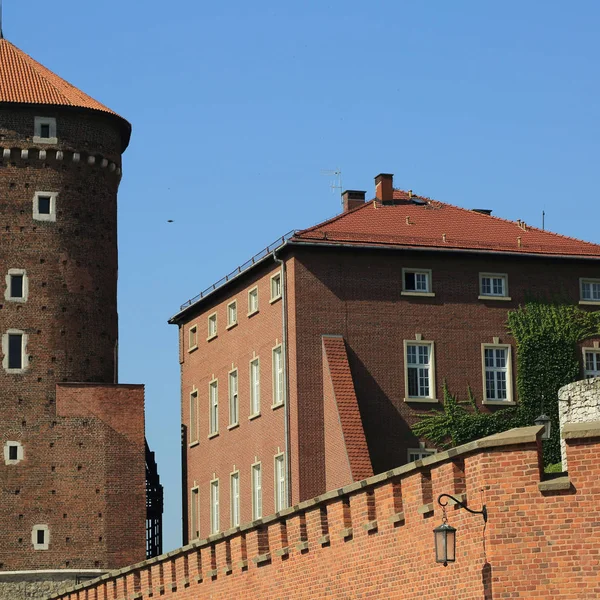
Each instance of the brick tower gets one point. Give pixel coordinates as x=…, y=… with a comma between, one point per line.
x=72, y=477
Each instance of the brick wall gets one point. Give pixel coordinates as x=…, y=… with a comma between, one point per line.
x=374, y=538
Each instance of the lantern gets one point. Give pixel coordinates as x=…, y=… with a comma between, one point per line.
x=547, y=423
x=445, y=544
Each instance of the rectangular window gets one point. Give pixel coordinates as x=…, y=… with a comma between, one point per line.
x=235, y=499
x=15, y=350
x=194, y=520
x=212, y=326
x=276, y=286
x=13, y=452
x=194, y=417
x=497, y=373
x=44, y=203
x=256, y=491
x=280, y=487
x=193, y=338
x=254, y=387
x=213, y=409
x=16, y=286
x=44, y=130
x=253, y=301
x=234, y=407
x=44, y=206
x=419, y=453
x=231, y=313
x=41, y=536
x=214, y=506
x=590, y=290
x=592, y=363
x=419, y=370
x=493, y=285
x=277, y=376
x=416, y=281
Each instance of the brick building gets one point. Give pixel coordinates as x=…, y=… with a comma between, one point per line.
x=305, y=368
x=73, y=474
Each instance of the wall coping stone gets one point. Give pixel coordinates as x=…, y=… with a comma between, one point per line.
x=589, y=429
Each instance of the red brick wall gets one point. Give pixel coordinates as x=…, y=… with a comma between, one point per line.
x=374, y=538
x=256, y=439
x=357, y=294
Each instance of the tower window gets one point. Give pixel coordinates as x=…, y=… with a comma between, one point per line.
x=14, y=343
x=40, y=537
x=44, y=130
x=16, y=285
x=13, y=453
x=44, y=206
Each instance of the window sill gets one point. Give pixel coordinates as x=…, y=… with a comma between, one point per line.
x=20, y=300
x=192, y=349
x=422, y=400
x=498, y=402
x=211, y=337
x=213, y=435
x=274, y=406
x=590, y=302
x=232, y=325
x=504, y=298
x=252, y=417
x=254, y=312
x=41, y=140
x=194, y=443
x=233, y=426
x=418, y=294
x=273, y=300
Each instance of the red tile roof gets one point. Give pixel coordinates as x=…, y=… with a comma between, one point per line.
x=24, y=80
x=414, y=221
x=347, y=404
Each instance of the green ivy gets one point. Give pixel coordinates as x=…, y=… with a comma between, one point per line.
x=546, y=336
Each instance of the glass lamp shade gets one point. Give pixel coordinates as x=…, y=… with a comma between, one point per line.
x=445, y=544
x=547, y=423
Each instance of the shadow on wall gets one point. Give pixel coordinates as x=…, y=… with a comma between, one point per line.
x=486, y=580
x=388, y=435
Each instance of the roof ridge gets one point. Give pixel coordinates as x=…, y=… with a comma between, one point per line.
x=335, y=218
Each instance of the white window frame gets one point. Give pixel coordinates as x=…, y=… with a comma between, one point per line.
x=9, y=275
x=256, y=485
x=193, y=338
x=24, y=355
x=37, y=215
x=194, y=418
x=232, y=309
x=213, y=408
x=20, y=453
x=592, y=282
x=492, y=295
x=279, y=478
x=432, y=382
x=215, y=516
x=37, y=130
x=194, y=528
x=509, y=374
x=420, y=453
x=588, y=374
x=418, y=292
x=234, y=398
x=253, y=292
x=254, y=389
x=234, y=497
x=278, y=377
x=276, y=282
x=34, y=537
x=212, y=326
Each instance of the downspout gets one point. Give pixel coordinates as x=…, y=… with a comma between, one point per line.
x=286, y=407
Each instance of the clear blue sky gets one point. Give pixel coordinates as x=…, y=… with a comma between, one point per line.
x=238, y=106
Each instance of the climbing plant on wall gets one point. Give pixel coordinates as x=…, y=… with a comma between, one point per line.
x=546, y=336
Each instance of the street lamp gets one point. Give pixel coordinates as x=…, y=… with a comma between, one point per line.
x=445, y=535
x=544, y=420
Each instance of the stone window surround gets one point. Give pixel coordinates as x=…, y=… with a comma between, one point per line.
x=34, y=537
x=24, y=355
x=504, y=277
x=41, y=216
x=37, y=128
x=9, y=275
x=20, y=453
x=428, y=273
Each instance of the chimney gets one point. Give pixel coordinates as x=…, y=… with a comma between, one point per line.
x=352, y=199
x=384, y=187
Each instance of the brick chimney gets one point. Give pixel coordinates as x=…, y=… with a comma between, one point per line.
x=384, y=187
x=352, y=199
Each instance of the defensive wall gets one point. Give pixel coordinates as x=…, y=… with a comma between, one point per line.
x=374, y=538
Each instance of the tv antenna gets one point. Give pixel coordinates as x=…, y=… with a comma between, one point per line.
x=1, y=31
x=336, y=178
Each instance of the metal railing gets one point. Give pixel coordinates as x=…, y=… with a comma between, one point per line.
x=249, y=263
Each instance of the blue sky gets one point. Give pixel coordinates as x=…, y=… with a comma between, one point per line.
x=238, y=107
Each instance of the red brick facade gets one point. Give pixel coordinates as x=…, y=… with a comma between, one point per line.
x=81, y=472
x=356, y=293
x=374, y=538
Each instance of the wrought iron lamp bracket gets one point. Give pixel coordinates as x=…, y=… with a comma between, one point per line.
x=482, y=512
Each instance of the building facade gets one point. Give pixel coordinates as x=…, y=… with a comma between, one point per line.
x=304, y=370
x=73, y=469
